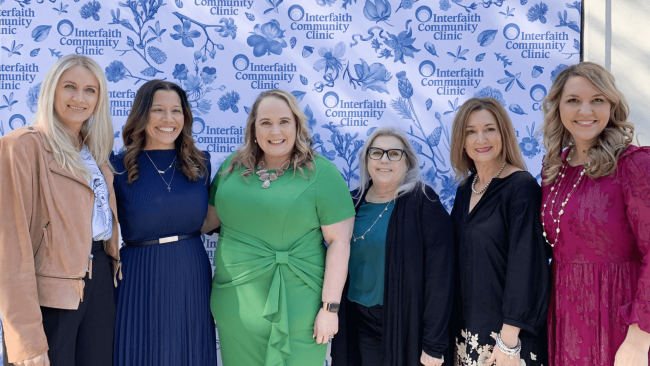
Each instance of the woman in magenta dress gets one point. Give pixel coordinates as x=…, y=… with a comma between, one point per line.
x=596, y=215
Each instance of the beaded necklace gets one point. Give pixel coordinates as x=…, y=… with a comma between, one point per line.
x=555, y=189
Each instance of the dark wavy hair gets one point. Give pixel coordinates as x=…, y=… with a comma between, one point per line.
x=191, y=160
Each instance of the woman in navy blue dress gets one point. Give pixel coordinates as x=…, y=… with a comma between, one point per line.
x=161, y=184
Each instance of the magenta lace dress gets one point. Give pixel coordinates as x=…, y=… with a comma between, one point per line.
x=601, y=277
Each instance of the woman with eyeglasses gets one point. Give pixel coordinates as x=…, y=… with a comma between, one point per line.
x=398, y=297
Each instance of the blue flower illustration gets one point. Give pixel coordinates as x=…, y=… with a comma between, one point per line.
x=404, y=85
x=9, y=101
x=557, y=70
x=406, y=4
x=331, y=60
x=347, y=147
x=325, y=2
x=537, y=12
x=385, y=53
x=185, y=33
x=459, y=54
x=529, y=146
x=267, y=39
x=204, y=105
x=373, y=77
x=90, y=9
x=115, y=71
x=229, y=101
x=157, y=55
x=192, y=84
x=375, y=44
x=379, y=11
x=32, y=97
x=448, y=192
x=228, y=29
x=488, y=91
x=402, y=45
x=180, y=72
x=311, y=121
x=208, y=75
x=444, y=5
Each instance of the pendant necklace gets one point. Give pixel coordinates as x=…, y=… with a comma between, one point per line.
x=554, y=192
x=362, y=237
x=267, y=177
x=488, y=183
x=161, y=172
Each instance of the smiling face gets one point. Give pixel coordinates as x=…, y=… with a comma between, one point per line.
x=275, y=130
x=386, y=173
x=483, y=142
x=165, y=121
x=584, y=111
x=75, y=97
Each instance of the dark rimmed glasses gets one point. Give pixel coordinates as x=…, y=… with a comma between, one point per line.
x=376, y=153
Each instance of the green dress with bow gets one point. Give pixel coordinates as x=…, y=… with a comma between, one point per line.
x=270, y=263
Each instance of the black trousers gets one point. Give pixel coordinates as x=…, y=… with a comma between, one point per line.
x=84, y=336
x=369, y=324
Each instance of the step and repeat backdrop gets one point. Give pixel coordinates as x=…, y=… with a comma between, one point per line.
x=354, y=65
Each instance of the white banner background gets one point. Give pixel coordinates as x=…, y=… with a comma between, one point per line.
x=354, y=65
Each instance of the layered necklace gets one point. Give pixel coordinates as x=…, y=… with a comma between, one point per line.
x=161, y=172
x=267, y=177
x=555, y=189
x=362, y=237
x=488, y=183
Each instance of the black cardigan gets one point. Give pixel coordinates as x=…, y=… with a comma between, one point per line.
x=418, y=285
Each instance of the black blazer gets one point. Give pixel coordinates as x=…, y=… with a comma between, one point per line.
x=418, y=285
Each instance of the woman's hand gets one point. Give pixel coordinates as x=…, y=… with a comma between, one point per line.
x=510, y=338
x=499, y=358
x=427, y=360
x=211, y=221
x=634, y=350
x=325, y=326
x=40, y=360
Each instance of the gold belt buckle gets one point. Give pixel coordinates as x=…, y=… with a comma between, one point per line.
x=168, y=239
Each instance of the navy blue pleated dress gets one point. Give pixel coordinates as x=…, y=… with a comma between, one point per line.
x=163, y=302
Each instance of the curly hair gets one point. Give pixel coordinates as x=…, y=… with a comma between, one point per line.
x=189, y=157
x=462, y=164
x=612, y=141
x=250, y=153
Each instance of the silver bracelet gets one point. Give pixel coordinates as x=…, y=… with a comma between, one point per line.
x=505, y=349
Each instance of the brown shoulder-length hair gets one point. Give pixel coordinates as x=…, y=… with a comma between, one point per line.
x=615, y=138
x=462, y=164
x=190, y=159
x=250, y=153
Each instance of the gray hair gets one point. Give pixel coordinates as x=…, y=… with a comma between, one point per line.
x=412, y=179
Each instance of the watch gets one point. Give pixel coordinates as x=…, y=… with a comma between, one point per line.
x=332, y=307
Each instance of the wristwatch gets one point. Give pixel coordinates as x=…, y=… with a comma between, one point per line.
x=332, y=307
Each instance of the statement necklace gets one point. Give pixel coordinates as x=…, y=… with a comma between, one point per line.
x=161, y=172
x=267, y=177
x=362, y=237
x=488, y=183
x=556, y=188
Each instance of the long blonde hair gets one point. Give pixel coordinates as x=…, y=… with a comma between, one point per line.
x=98, y=138
x=462, y=164
x=303, y=153
x=615, y=138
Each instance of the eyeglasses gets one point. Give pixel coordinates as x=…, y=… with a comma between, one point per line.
x=376, y=153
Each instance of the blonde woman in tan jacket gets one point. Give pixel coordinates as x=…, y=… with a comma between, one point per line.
x=59, y=229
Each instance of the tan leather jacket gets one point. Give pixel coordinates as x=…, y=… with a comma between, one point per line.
x=45, y=238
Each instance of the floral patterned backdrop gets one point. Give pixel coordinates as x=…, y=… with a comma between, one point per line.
x=354, y=65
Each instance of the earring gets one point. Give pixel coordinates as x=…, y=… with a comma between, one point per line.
x=255, y=141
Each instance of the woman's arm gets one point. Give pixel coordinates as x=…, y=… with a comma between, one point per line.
x=336, y=271
x=211, y=221
x=19, y=305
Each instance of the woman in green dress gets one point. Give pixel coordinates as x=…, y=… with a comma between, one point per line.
x=276, y=287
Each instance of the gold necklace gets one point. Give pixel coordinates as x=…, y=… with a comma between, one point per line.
x=267, y=177
x=161, y=172
x=373, y=224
